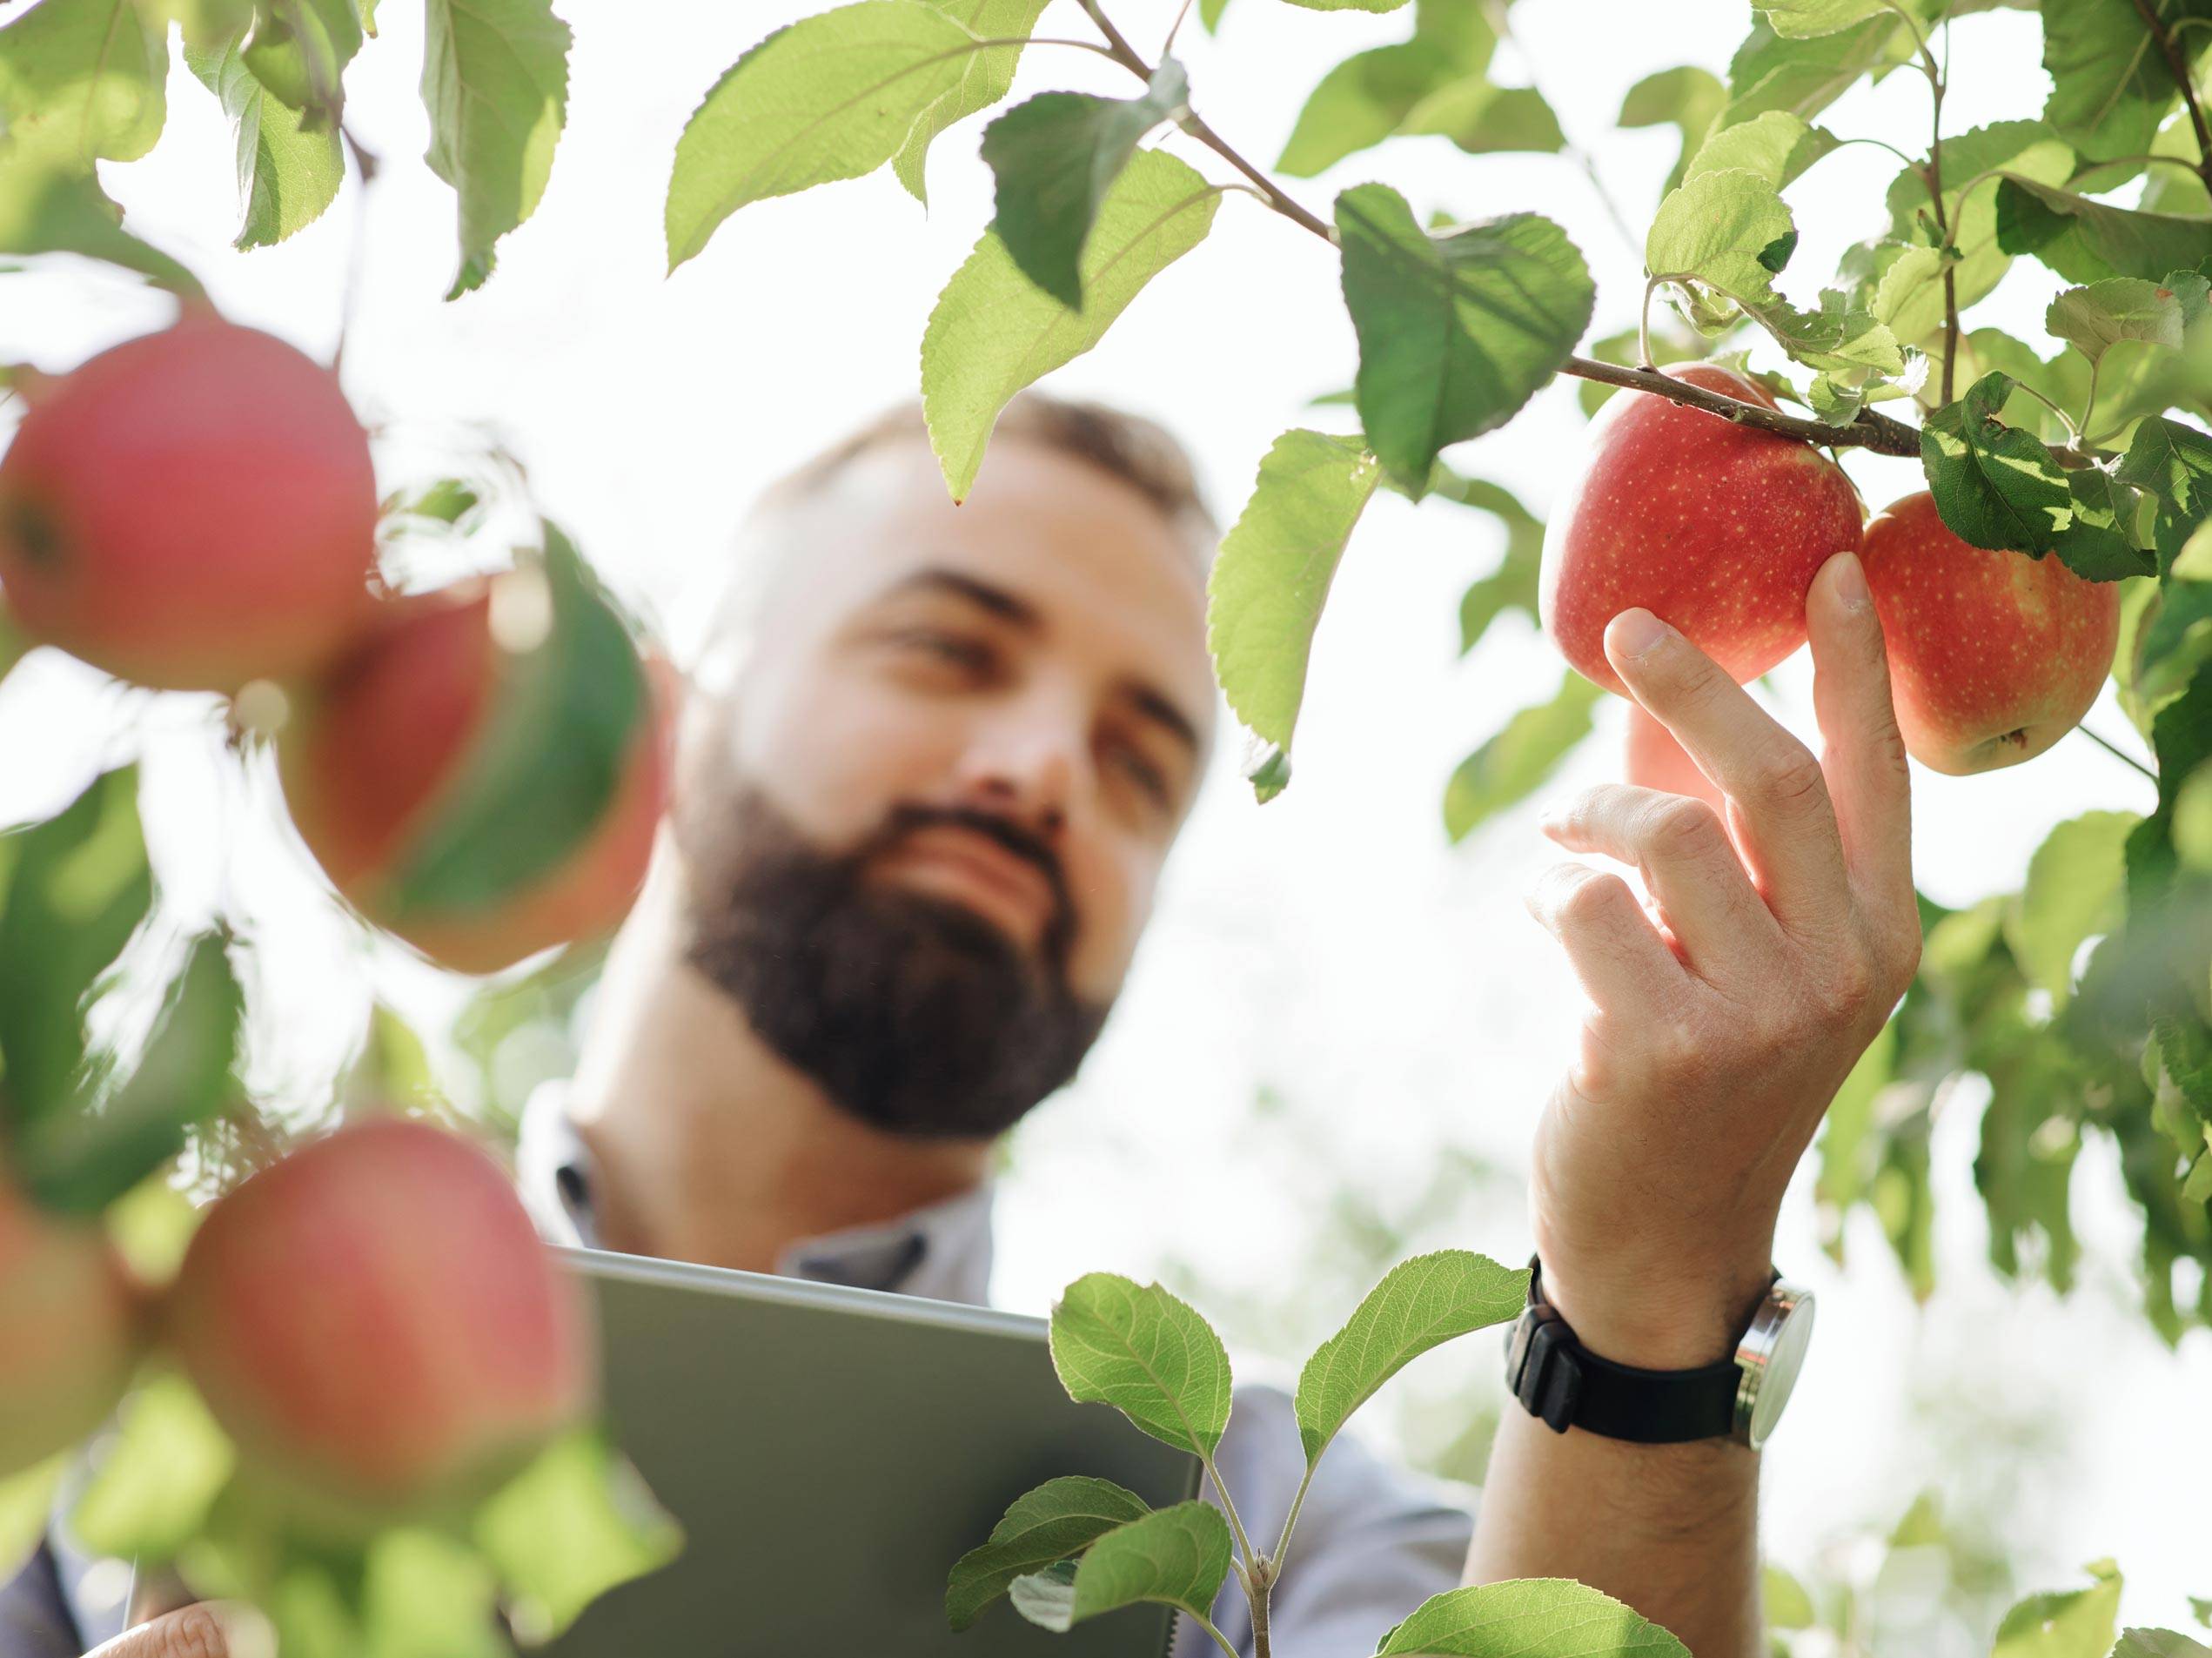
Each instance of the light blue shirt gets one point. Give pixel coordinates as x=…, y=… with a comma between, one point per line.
x=1371, y=1546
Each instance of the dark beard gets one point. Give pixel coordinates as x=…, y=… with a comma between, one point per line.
x=915, y=1014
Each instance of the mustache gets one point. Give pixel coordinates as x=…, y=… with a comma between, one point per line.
x=908, y=820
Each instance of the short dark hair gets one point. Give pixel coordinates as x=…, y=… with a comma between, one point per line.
x=1138, y=451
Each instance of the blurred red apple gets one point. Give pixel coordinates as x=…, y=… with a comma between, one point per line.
x=1993, y=656
x=70, y=1330
x=371, y=747
x=375, y=1322
x=1655, y=760
x=190, y=509
x=1715, y=528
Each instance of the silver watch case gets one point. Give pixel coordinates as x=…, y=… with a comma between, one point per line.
x=1768, y=1360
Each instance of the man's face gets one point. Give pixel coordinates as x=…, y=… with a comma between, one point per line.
x=922, y=835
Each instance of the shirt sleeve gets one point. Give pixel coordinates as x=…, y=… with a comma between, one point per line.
x=1370, y=1544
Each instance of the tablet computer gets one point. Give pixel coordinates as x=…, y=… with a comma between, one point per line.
x=830, y=1453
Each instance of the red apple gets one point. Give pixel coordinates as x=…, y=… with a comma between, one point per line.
x=372, y=746
x=1715, y=528
x=1655, y=760
x=375, y=1323
x=70, y=1330
x=190, y=509
x=1993, y=656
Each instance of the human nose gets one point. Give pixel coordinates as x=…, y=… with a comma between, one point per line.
x=1024, y=760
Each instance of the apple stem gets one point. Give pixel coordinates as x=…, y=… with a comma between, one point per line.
x=2120, y=755
x=1644, y=327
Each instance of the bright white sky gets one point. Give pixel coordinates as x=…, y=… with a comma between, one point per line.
x=1331, y=946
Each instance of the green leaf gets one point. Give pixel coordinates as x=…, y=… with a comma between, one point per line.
x=1783, y=1599
x=495, y=81
x=1209, y=13
x=1804, y=19
x=2094, y=318
x=572, y=1525
x=1457, y=329
x=2110, y=86
x=83, y=79
x=155, y=1483
x=1271, y=576
x=1421, y=1304
x=2171, y=462
x=427, y=1594
x=1771, y=71
x=287, y=175
x=1482, y=117
x=993, y=330
x=298, y=50
x=1728, y=231
x=2177, y=640
x=1972, y=161
x=1055, y=158
x=1512, y=585
x=1367, y=96
x=563, y=717
x=2089, y=241
x=1687, y=100
x=1528, y=750
x=2077, y=1623
x=1150, y=1356
x=830, y=96
x=1529, y=1617
x=2158, y=1643
x=72, y=890
x=1056, y=1522
x=2075, y=888
x=1998, y=487
x=80, y=1161
x=26, y=1509
x=1348, y=5
x=1776, y=146
x=986, y=77
x=1177, y=1557
x=45, y=208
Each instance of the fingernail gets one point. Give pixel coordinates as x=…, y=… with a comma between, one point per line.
x=1638, y=633
x=1851, y=581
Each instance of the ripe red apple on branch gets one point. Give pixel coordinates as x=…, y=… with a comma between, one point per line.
x=371, y=749
x=1993, y=656
x=71, y=1331
x=1715, y=528
x=190, y=509
x=375, y=1323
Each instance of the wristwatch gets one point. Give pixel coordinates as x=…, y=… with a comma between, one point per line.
x=1740, y=1397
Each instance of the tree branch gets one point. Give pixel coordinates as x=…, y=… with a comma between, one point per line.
x=2179, y=65
x=1868, y=430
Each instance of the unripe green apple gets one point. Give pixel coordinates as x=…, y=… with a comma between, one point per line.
x=1993, y=656
x=375, y=1323
x=190, y=510
x=70, y=1330
x=1715, y=528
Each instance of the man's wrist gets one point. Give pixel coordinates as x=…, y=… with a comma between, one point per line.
x=1681, y=1320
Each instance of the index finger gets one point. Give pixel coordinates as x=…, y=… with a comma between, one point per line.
x=1865, y=757
x=1778, y=797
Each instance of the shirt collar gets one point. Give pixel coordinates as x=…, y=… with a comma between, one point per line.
x=942, y=1250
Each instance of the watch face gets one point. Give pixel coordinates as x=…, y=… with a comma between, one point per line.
x=1772, y=1355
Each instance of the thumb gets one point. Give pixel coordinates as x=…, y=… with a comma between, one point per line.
x=210, y=1630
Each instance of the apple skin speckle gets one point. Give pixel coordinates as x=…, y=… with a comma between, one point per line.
x=1716, y=528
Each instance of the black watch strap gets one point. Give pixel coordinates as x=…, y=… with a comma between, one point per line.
x=1562, y=1382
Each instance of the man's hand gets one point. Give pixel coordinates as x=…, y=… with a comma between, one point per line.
x=1721, y=1026
x=212, y=1631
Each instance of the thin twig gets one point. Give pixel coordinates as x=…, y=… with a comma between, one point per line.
x=2178, y=66
x=1866, y=430
x=365, y=161
x=2117, y=753
x=1181, y=12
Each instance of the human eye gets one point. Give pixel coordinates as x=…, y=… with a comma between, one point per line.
x=948, y=647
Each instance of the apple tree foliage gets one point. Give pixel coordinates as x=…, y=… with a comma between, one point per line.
x=2082, y=1003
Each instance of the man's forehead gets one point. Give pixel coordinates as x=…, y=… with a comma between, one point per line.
x=1046, y=542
